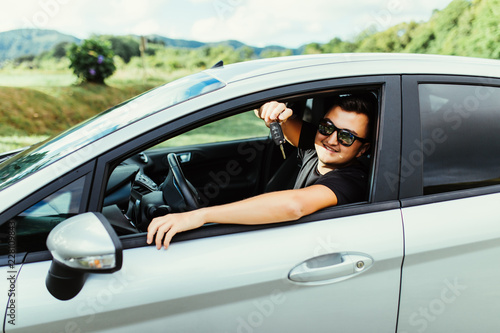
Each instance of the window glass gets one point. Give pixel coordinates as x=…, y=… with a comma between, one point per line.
x=51, y=150
x=241, y=126
x=34, y=224
x=460, y=136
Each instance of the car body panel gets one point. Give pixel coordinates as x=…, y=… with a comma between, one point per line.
x=241, y=285
x=353, y=64
x=450, y=273
x=451, y=269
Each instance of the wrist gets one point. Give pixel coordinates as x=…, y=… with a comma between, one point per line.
x=202, y=215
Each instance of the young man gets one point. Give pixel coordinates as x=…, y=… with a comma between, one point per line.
x=330, y=172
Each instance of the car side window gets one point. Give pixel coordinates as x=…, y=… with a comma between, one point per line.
x=460, y=136
x=34, y=224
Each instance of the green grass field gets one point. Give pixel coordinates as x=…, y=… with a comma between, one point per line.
x=36, y=79
x=35, y=105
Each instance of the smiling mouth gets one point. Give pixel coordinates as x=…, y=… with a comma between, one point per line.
x=330, y=149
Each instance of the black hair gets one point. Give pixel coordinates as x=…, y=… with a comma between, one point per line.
x=360, y=102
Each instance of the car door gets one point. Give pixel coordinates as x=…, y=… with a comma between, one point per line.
x=239, y=282
x=338, y=269
x=450, y=183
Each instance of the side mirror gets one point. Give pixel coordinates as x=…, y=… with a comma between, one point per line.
x=81, y=244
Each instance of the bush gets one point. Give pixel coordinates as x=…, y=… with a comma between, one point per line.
x=92, y=61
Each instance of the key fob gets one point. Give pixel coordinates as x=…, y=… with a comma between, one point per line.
x=277, y=136
x=277, y=133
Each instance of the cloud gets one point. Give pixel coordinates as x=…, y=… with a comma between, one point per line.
x=255, y=22
x=264, y=22
x=146, y=27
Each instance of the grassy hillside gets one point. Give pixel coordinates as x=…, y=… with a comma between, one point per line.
x=30, y=114
x=48, y=110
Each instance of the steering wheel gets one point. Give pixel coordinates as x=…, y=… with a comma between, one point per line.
x=184, y=188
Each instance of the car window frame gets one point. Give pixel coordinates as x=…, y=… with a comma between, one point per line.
x=86, y=170
x=383, y=195
x=389, y=86
x=411, y=178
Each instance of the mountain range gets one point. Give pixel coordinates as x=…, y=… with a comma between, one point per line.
x=24, y=42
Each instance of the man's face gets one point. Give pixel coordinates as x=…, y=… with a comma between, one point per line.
x=333, y=155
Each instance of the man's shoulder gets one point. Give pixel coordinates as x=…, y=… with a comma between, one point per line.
x=349, y=183
x=356, y=168
x=352, y=169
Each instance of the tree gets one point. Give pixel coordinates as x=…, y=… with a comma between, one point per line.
x=246, y=53
x=92, y=61
x=125, y=47
x=60, y=49
x=313, y=48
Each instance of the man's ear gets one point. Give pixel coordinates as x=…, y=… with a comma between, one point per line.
x=364, y=148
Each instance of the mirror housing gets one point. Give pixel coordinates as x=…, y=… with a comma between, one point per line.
x=81, y=244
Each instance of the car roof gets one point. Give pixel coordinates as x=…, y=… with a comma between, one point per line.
x=364, y=63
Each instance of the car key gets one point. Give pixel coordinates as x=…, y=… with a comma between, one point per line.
x=277, y=135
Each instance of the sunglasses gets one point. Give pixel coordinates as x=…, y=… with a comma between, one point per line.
x=344, y=137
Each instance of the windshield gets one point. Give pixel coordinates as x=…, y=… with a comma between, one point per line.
x=49, y=151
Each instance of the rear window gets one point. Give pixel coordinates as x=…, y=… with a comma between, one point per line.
x=460, y=136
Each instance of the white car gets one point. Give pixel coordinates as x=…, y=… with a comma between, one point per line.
x=421, y=254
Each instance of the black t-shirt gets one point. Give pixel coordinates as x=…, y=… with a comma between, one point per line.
x=349, y=183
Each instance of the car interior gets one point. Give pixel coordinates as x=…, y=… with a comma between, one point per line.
x=169, y=178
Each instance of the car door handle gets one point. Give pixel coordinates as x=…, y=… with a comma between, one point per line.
x=330, y=267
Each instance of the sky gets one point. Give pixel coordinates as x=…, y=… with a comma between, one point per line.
x=288, y=23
